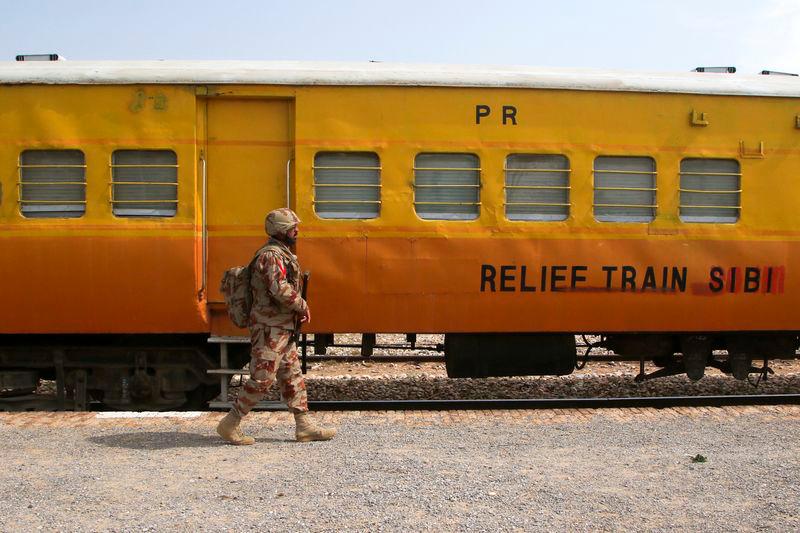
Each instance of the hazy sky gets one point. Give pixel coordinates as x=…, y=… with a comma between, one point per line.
x=672, y=35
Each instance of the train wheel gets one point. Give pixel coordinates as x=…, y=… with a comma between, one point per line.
x=664, y=361
x=696, y=353
x=197, y=399
x=321, y=342
x=740, y=365
x=367, y=344
x=461, y=357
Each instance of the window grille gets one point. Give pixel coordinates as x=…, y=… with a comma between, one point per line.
x=624, y=189
x=347, y=185
x=710, y=190
x=537, y=187
x=447, y=186
x=144, y=183
x=52, y=183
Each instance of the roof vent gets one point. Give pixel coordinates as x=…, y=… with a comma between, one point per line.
x=39, y=57
x=776, y=73
x=718, y=70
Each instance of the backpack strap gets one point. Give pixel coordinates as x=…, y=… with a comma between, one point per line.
x=256, y=256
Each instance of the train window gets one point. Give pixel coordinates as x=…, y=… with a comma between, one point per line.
x=624, y=189
x=144, y=183
x=537, y=187
x=447, y=186
x=710, y=190
x=52, y=183
x=347, y=185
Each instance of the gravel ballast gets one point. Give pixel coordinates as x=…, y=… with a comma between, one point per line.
x=432, y=387
x=489, y=472
x=339, y=381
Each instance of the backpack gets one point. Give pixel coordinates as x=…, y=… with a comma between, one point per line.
x=235, y=288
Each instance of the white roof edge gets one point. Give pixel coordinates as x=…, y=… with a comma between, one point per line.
x=389, y=74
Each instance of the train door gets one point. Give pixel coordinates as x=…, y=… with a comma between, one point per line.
x=248, y=152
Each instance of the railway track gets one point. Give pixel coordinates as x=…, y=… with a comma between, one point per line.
x=49, y=404
x=543, y=403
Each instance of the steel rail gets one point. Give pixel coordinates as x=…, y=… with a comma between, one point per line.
x=658, y=402
x=35, y=402
x=439, y=358
x=376, y=358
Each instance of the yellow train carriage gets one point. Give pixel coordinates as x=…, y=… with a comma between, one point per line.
x=468, y=201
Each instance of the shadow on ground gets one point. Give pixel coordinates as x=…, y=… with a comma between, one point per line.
x=166, y=440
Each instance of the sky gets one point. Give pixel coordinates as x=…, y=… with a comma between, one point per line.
x=642, y=35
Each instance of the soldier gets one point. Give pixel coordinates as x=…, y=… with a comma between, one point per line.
x=275, y=285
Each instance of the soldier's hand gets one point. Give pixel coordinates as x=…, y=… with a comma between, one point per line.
x=306, y=318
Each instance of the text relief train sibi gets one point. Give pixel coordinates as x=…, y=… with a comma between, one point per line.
x=509, y=208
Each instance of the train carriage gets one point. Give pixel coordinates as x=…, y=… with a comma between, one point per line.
x=509, y=208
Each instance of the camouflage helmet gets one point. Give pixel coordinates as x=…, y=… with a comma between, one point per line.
x=280, y=221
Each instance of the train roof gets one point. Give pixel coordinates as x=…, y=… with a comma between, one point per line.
x=390, y=74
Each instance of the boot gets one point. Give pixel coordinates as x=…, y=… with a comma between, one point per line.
x=228, y=429
x=307, y=431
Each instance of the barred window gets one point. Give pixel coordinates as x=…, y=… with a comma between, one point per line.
x=52, y=183
x=347, y=185
x=537, y=187
x=624, y=189
x=144, y=183
x=710, y=190
x=447, y=186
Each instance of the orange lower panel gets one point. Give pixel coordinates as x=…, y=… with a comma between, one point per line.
x=149, y=284
x=339, y=279
x=99, y=285
x=449, y=284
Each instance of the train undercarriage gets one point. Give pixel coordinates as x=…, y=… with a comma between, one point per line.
x=125, y=372
x=492, y=354
x=166, y=372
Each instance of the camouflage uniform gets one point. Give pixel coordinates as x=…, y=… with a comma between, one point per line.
x=275, y=284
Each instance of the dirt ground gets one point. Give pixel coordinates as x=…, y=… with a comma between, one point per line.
x=679, y=469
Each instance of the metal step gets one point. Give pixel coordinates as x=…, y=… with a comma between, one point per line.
x=228, y=340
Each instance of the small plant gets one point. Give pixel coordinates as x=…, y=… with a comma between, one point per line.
x=699, y=458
